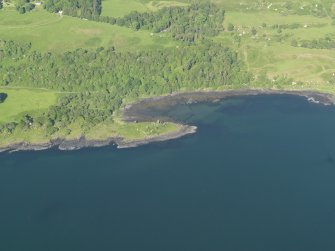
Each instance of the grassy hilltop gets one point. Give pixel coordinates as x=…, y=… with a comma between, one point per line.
x=286, y=45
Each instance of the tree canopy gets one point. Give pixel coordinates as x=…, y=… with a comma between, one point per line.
x=23, y=6
x=80, y=8
x=184, y=23
x=94, y=84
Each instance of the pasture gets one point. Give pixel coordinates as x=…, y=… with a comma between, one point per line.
x=119, y=8
x=21, y=101
x=51, y=32
x=270, y=52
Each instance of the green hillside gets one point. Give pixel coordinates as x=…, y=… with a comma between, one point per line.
x=51, y=32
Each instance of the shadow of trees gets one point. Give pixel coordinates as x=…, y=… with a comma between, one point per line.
x=3, y=97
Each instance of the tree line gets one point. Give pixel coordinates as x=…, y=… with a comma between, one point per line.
x=95, y=83
x=322, y=43
x=23, y=6
x=187, y=23
x=76, y=8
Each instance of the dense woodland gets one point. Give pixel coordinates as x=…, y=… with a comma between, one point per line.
x=95, y=83
x=89, y=9
x=23, y=6
x=188, y=23
x=75, y=8
x=184, y=23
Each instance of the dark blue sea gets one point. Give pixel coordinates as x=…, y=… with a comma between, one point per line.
x=258, y=176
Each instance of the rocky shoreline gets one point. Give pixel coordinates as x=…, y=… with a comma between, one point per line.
x=136, y=112
x=70, y=145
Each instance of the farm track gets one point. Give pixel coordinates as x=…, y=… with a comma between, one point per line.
x=4, y=27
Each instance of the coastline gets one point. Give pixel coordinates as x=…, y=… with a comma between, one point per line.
x=82, y=142
x=135, y=112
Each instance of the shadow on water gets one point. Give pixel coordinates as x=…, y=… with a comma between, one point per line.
x=3, y=97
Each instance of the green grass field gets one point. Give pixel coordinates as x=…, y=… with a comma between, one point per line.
x=51, y=32
x=270, y=50
x=118, y=8
x=263, y=53
x=20, y=101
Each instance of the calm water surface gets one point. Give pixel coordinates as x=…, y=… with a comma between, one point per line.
x=259, y=175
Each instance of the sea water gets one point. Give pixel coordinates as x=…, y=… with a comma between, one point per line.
x=258, y=175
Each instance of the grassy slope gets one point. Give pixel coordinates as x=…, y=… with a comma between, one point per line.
x=269, y=52
x=51, y=32
x=21, y=101
x=118, y=8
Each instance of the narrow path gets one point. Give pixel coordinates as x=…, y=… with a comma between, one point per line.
x=31, y=26
x=245, y=55
x=35, y=88
x=46, y=89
